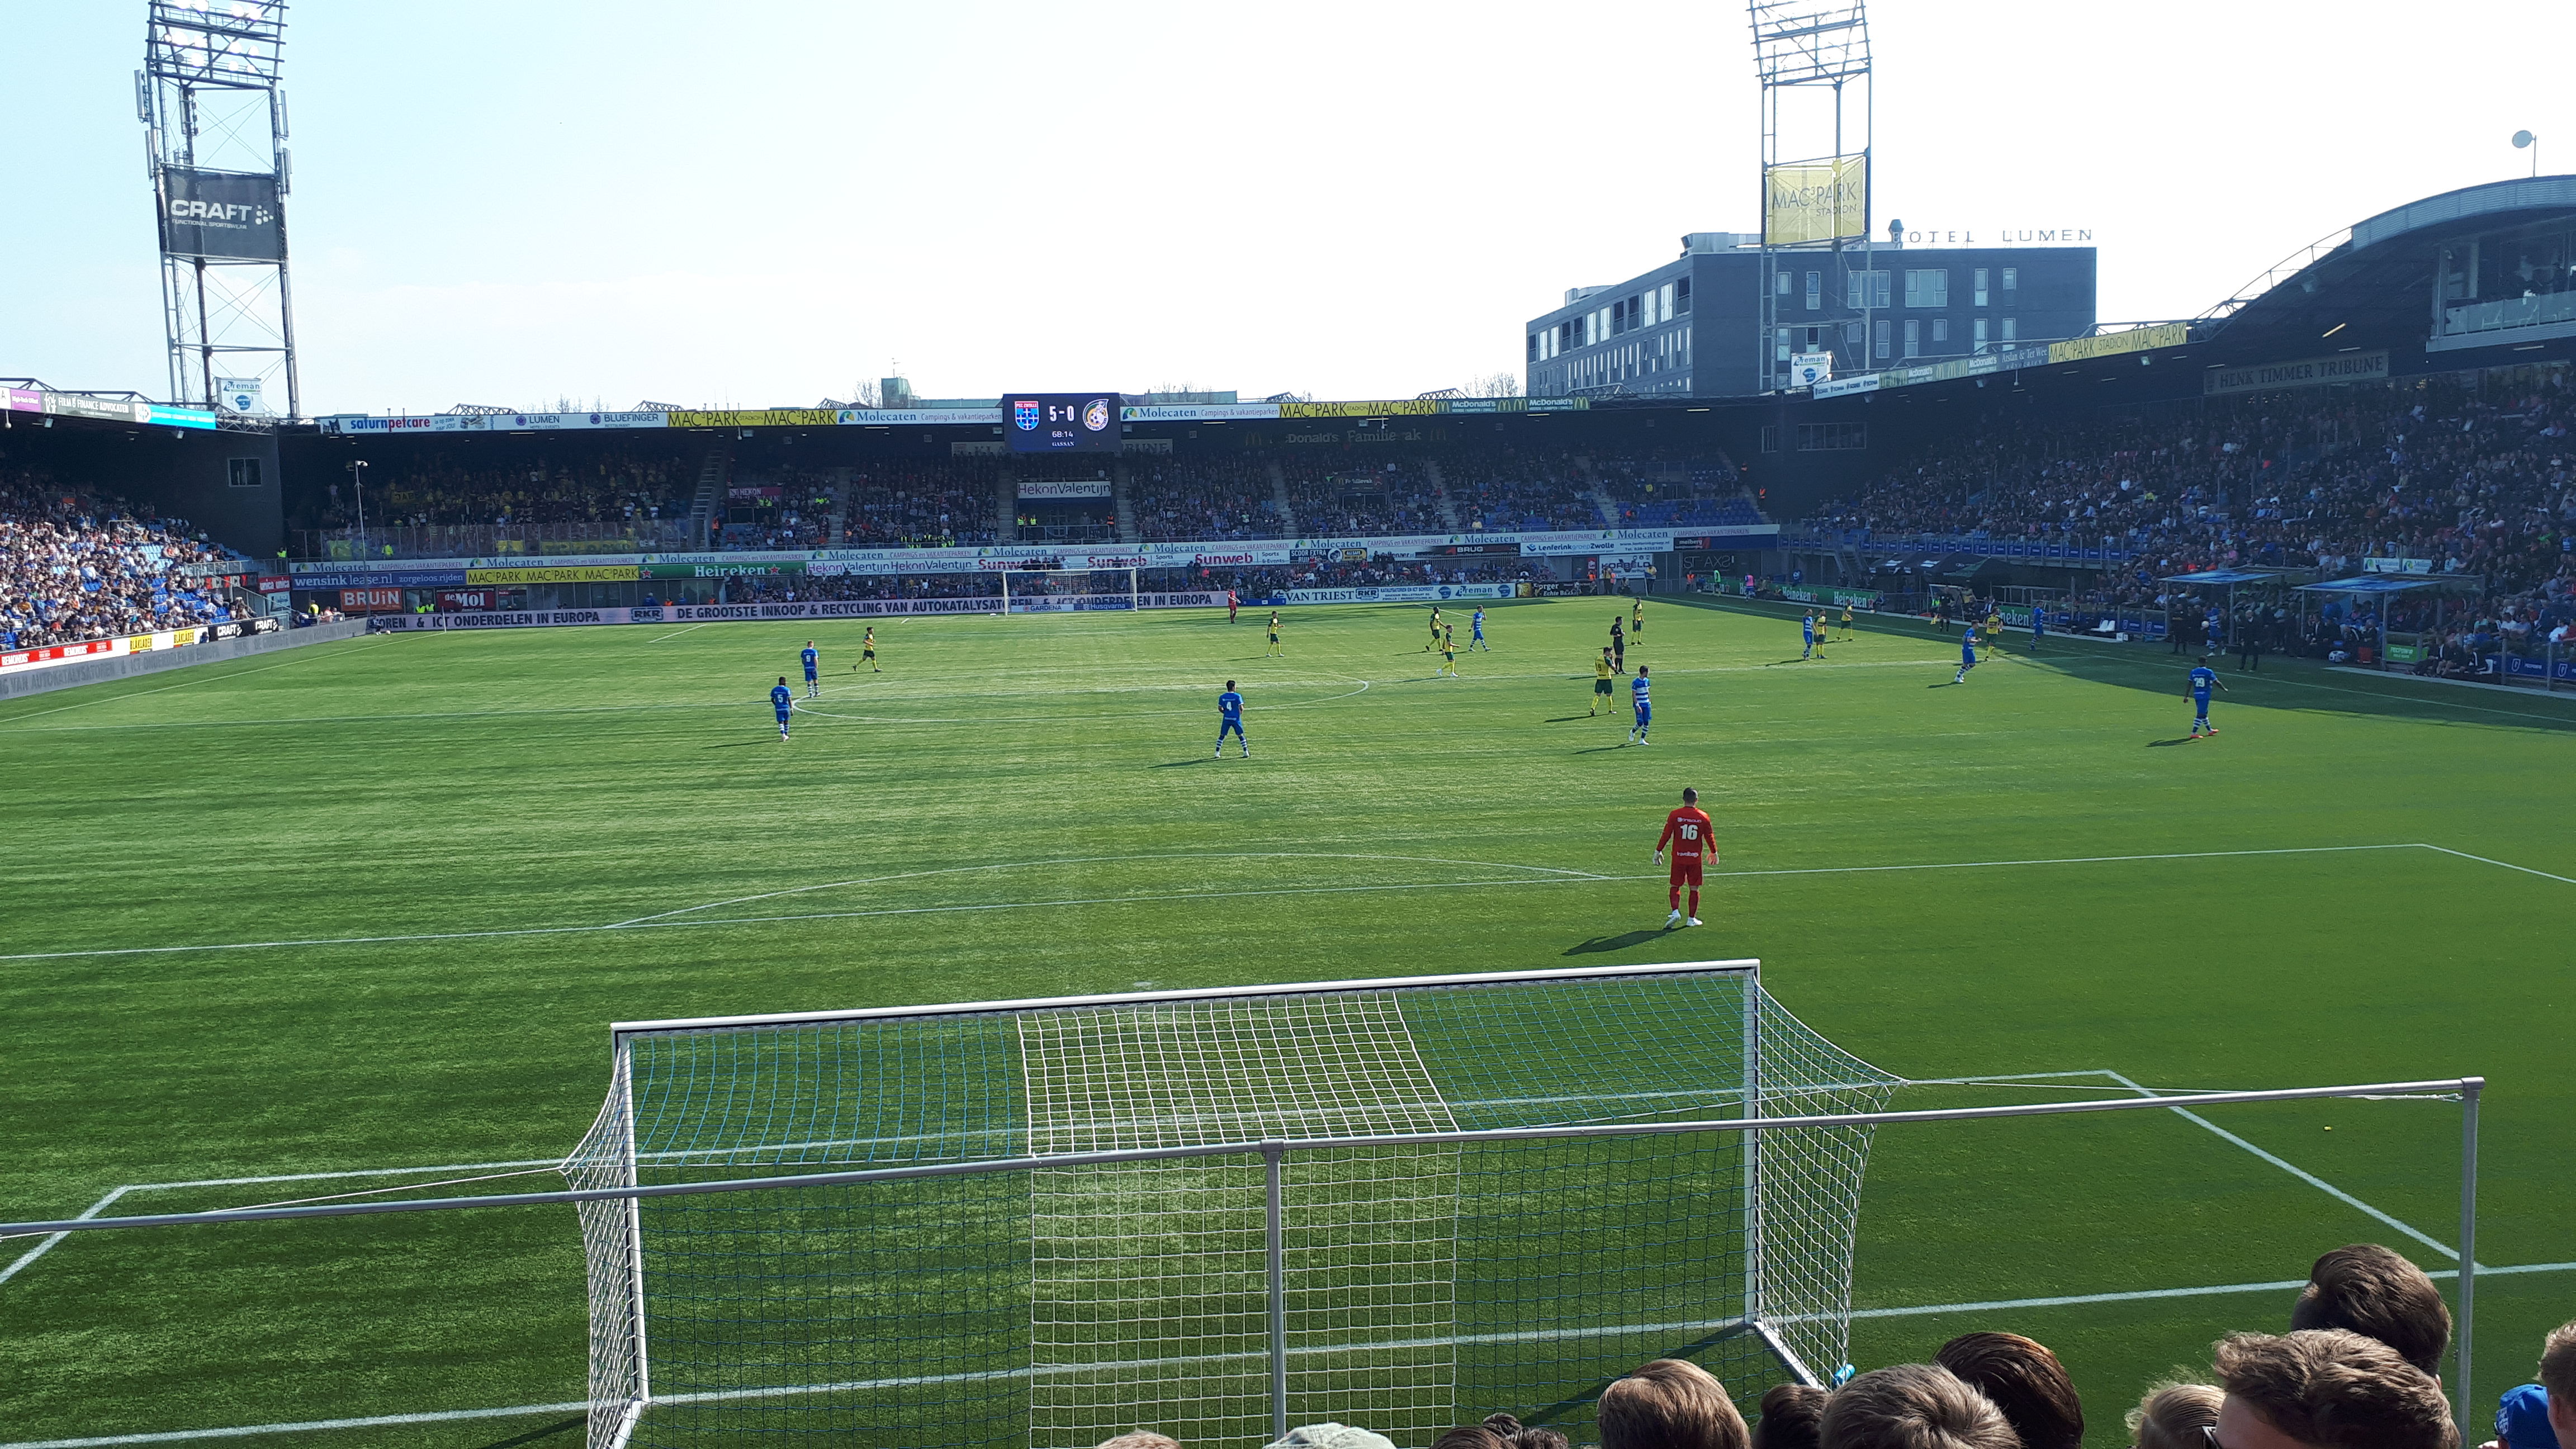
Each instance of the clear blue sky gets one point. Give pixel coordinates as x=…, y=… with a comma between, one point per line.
x=759, y=204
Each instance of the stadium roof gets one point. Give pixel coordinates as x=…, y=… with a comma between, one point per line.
x=2383, y=583
x=2227, y=576
x=2370, y=285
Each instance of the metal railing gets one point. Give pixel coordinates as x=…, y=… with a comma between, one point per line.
x=482, y=540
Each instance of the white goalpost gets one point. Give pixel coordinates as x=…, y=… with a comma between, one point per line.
x=1090, y=589
x=1218, y=1213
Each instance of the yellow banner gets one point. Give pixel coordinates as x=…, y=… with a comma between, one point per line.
x=1415, y=407
x=758, y=418
x=1816, y=201
x=560, y=574
x=2112, y=344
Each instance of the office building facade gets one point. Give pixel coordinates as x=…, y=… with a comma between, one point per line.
x=1695, y=326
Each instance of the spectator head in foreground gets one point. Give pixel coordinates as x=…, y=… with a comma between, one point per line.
x=1792, y=1416
x=1517, y=1435
x=1913, y=1406
x=2172, y=1416
x=2025, y=1381
x=2376, y=1293
x=2326, y=1388
x=2543, y=1415
x=1141, y=1439
x=1473, y=1436
x=1669, y=1404
x=1331, y=1436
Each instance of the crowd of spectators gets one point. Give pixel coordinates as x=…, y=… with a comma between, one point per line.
x=2462, y=480
x=1347, y=500
x=609, y=483
x=2356, y=1369
x=76, y=565
x=1511, y=490
x=1212, y=498
x=949, y=503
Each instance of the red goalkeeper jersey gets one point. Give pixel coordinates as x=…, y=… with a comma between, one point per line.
x=1687, y=831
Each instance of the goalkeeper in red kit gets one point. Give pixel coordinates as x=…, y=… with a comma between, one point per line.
x=1686, y=831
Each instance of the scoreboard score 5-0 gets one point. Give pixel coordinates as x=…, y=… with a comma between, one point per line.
x=1061, y=422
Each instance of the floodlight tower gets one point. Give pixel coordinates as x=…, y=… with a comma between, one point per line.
x=214, y=114
x=1817, y=99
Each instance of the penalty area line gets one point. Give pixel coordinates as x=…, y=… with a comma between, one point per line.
x=1926, y=1310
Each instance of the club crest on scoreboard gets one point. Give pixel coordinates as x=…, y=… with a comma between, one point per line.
x=1095, y=416
x=1024, y=416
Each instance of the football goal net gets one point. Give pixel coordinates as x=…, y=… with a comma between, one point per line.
x=1043, y=591
x=1402, y=1203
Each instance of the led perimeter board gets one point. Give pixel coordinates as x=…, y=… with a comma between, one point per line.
x=1061, y=422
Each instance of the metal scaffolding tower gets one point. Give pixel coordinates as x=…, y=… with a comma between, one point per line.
x=214, y=112
x=1817, y=99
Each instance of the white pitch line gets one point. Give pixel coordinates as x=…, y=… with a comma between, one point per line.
x=2482, y=860
x=650, y=923
x=2301, y=1173
x=28, y=1258
x=676, y=633
x=1927, y=1310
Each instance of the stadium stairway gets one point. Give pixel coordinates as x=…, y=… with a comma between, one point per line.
x=1440, y=495
x=1123, y=500
x=1006, y=507
x=711, y=482
x=1279, y=500
x=1592, y=490
x=839, y=519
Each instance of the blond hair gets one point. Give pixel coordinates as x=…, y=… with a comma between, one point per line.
x=2172, y=1415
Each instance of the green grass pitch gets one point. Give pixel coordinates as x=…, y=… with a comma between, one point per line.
x=1026, y=807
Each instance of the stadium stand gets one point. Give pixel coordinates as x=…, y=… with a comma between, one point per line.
x=922, y=504
x=1211, y=498
x=2470, y=483
x=1343, y=500
x=1508, y=490
x=76, y=565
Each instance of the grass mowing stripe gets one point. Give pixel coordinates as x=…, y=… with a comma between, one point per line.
x=651, y=922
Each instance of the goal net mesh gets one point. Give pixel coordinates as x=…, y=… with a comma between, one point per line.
x=1420, y=1284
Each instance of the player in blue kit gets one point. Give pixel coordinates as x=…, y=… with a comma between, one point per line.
x=2038, y=628
x=1645, y=710
x=2203, y=679
x=1967, y=654
x=1476, y=639
x=1808, y=626
x=812, y=662
x=1229, y=716
x=782, y=700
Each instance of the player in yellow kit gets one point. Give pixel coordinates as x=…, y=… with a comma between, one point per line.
x=1274, y=638
x=1601, y=672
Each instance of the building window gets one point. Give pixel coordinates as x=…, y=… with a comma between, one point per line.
x=1940, y=329
x=1978, y=335
x=1666, y=297
x=1681, y=296
x=1780, y=345
x=1881, y=339
x=1981, y=287
x=242, y=472
x=1927, y=287
x=1770, y=437
x=1533, y=347
x=1913, y=337
x=1853, y=334
x=1864, y=290
x=2012, y=330
x=2012, y=282
x=1832, y=437
x=1815, y=291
